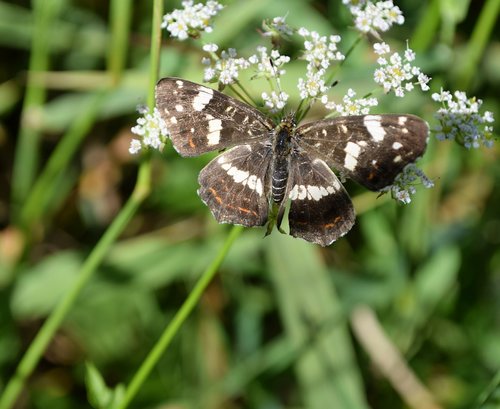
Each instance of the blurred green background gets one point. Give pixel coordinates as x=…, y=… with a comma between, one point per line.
x=285, y=324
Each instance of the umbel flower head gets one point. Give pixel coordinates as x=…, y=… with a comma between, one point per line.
x=191, y=20
x=397, y=73
x=403, y=186
x=459, y=119
x=151, y=129
x=373, y=17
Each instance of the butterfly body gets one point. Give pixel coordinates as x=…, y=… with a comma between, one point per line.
x=270, y=163
x=282, y=147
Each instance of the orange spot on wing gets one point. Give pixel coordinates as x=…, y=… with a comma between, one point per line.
x=330, y=225
x=242, y=209
x=220, y=201
x=217, y=197
x=191, y=143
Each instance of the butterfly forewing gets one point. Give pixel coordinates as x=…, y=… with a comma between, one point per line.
x=321, y=210
x=371, y=149
x=201, y=119
x=235, y=185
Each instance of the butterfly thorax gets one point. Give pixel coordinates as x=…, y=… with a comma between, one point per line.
x=282, y=147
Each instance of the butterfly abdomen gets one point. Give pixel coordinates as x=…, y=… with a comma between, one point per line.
x=281, y=160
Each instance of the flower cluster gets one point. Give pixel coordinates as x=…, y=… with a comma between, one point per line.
x=349, y=105
x=269, y=65
x=313, y=86
x=372, y=17
x=275, y=102
x=459, y=119
x=224, y=69
x=404, y=184
x=191, y=20
x=319, y=52
x=396, y=72
x=152, y=130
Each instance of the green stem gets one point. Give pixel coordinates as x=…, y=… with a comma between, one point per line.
x=254, y=102
x=176, y=323
x=62, y=155
x=120, y=11
x=42, y=339
x=240, y=95
x=154, y=66
x=27, y=149
x=475, y=48
x=427, y=27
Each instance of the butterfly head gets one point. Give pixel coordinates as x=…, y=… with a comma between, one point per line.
x=288, y=123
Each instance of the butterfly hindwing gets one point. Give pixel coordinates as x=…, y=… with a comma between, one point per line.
x=235, y=185
x=321, y=210
x=371, y=149
x=201, y=119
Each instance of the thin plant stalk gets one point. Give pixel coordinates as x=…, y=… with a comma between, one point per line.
x=180, y=317
x=475, y=47
x=59, y=159
x=27, y=149
x=54, y=321
x=56, y=318
x=120, y=12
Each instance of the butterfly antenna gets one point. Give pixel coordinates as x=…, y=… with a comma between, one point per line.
x=276, y=78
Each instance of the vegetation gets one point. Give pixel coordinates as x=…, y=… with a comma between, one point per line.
x=118, y=288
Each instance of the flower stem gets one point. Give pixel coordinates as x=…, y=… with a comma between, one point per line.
x=42, y=339
x=119, y=11
x=176, y=323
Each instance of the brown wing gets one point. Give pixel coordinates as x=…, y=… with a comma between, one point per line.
x=321, y=210
x=235, y=185
x=201, y=119
x=371, y=149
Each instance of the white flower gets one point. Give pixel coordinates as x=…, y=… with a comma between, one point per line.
x=351, y=106
x=320, y=51
x=275, y=102
x=373, y=17
x=135, y=146
x=191, y=20
x=459, y=119
x=224, y=69
x=404, y=184
x=381, y=48
x=269, y=66
x=313, y=86
x=152, y=130
x=398, y=74
x=210, y=48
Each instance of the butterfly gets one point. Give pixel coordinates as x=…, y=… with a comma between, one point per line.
x=265, y=164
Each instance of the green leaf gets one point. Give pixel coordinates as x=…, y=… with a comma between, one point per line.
x=99, y=395
x=313, y=320
x=435, y=279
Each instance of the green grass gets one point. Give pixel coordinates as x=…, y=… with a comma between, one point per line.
x=117, y=287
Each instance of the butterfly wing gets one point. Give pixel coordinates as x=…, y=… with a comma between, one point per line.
x=321, y=210
x=371, y=149
x=235, y=185
x=201, y=119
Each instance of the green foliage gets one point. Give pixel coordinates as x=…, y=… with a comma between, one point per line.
x=84, y=240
